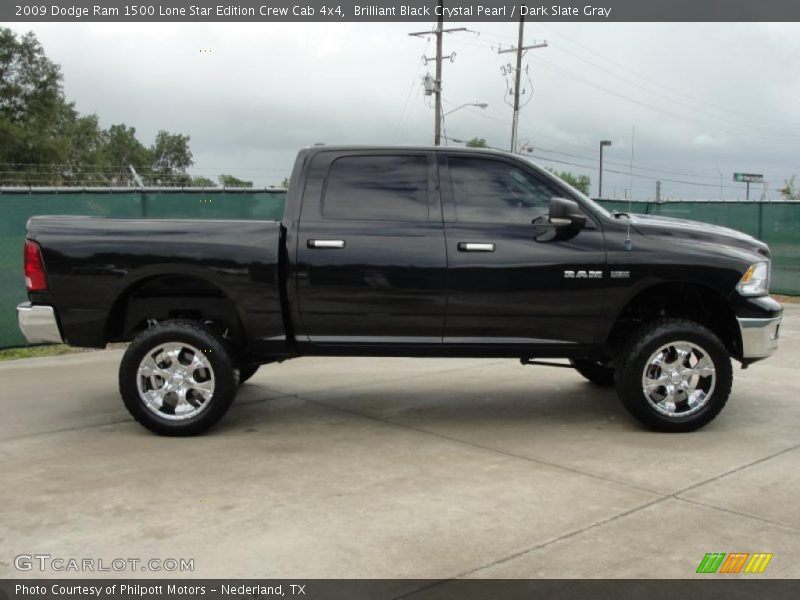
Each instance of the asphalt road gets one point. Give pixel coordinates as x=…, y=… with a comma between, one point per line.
x=381, y=467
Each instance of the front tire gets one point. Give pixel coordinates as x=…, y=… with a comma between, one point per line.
x=177, y=378
x=674, y=375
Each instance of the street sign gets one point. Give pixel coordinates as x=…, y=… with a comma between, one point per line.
x=748, y=178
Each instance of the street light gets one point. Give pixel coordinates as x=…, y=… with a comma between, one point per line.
x=476, y=104
x=603, y=143
x=449, y=112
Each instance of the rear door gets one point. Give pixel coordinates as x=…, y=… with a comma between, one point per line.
x=509, y=278
x=371, y=255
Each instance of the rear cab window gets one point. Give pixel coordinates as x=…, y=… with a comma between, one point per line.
x=377, y=188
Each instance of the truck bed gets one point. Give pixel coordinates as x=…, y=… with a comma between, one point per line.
x=98, y=268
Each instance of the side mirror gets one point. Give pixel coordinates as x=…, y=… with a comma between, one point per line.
x=566, y=213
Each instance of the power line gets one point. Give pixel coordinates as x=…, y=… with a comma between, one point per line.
x=665, y=89
x=632, y=174
x=639, y=166
x=414, y=79
x=629, y=172
x=721, y=123
x=584, y=81
x=537, y=148
x=676, y=98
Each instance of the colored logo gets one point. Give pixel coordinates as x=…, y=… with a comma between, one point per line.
x=734, y=562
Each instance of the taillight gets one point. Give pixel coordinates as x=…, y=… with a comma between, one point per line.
x=35, y=279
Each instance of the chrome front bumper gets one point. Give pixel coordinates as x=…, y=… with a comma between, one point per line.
x=759, y=336
x=38, y=324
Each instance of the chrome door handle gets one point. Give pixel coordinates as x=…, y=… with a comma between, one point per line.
x=475, y=247
x=326, y=243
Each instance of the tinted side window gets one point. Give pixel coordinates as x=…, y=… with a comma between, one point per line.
x=389, y=188
x=494, y=191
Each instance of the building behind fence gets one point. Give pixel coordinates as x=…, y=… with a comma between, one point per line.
x=778, y=224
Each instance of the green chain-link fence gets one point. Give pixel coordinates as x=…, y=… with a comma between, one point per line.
x=778, y=224
x=17, y=206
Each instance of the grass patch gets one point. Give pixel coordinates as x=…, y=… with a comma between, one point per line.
x=786, y=299
x=37, y=351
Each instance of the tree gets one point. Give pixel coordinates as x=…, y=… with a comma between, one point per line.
x=285, y=183
x=34, y=115
x=30, y=83
x=579, y=182
x=477, y=143
x=123, y=149
x=789, y=191
x=231, y=181
x=84, y=160
x=171, y=158
x=45, y=141
x=202, y=181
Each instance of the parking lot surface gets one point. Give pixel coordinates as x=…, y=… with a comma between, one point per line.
x=386, y=467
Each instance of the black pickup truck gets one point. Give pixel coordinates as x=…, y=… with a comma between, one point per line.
x=407, y=251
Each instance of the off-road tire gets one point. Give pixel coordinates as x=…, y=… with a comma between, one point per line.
x=594, y=371
x=632, y=362
x=213, y=348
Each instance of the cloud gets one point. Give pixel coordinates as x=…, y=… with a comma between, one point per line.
x=701, y=96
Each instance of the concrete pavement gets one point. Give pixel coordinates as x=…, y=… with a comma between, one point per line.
x=382, y=467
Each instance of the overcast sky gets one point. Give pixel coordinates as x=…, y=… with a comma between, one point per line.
x=702, y=97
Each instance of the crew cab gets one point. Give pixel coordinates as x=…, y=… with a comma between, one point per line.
x=407, y=251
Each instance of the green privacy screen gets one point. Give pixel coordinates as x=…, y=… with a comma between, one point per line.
x=17, y=206
x=778, y=224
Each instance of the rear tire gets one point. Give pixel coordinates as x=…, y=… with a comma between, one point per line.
x=674, y=375
x=177, y=378
x=594, y=372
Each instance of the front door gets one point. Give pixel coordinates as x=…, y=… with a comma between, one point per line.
x=371, y=255
x=510, y=280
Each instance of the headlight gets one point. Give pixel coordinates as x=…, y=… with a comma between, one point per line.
x=755, y=281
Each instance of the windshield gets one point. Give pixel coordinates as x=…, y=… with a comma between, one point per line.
x=584, y=199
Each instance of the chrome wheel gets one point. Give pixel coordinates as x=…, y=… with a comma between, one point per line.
x=175, y=381
x=679, y=379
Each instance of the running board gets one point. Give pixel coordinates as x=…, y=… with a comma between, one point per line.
x=544, y=363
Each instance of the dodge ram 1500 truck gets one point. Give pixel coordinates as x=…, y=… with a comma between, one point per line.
x=407, y=251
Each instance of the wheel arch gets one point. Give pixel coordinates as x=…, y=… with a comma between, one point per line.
x=685, y=299
x=172, y=295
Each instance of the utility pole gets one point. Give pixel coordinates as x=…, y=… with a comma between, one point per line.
x=437, y=127
x=658, y=192
x=520, y=50
x=437, y=83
